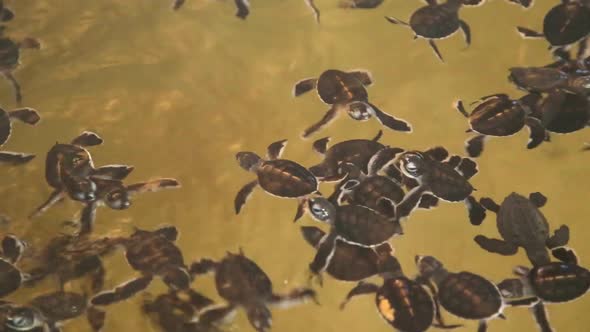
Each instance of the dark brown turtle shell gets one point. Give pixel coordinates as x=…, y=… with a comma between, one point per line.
x=521, y=223
x=446, y=183
x=239, y=280
x=538, y=79
x=559, y=282
x=360, y=225
x=152, y=252
x=405, y=305
x=571, y=114
x=469, y=296
x=285, y=178
x=566, y=23
x=435, y=22
x=10, y=278
x=497, y=117
x=335, y=87
x=373, y=189
x=60, y=306
x=356, y=151
x=9, y=54
x=175, y=311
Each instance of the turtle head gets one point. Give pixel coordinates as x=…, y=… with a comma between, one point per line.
x=260, y=317
x=80, y=188
x=428, y=265
x=322, y=210
x=248, y=160
x=413, y=164
x=360, y=110
x=118, y=199
x=22, y=319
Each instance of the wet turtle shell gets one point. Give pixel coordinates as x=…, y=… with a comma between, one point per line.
x=435, y=21
x=559, y=282
x=538, y=79
x=469, y=296
x=285, y=178
x=176, y=311
x=520, y=222
x=497, y=117
x=152, y=252
x=239, y=279
x=405, y=305
x=373, y=189
x=566, y=23
x=565, y=113
x=336, y=87
x=10, y=278
x=363, y=226
x=356, y=151
x=445, y=182
x=60, y=306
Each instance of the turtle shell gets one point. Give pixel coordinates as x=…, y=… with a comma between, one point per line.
x=573, y=115
x=285, y=178
x=497, y=117
x=356, y=151
x=363, y=226
x=559, y=282
x=405, y=305
x=538, y=79
x=353, y=263
x=9, y=54
x=152, y=252
x=238, y=280
x=5, y=126
x=520, y=222
x=469, y=296
x=371, y=190
x=335, y=87
x=566, y=23
x=446, y=183
x=435, y=22
x=60, y=306
x=66, y=160
x=10, y=278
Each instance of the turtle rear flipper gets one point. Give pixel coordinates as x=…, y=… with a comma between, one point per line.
x=275, y=150
x=243, y=195
x=560, y=237
x=321, y=145
x=123, y=292
x=152, y=186
x=364, y=76
x=477, y=213
x=496, y=246
x=87, y=138
x=537, y=132
x=295, y=297
x=114, y=172
x=541, y=318
x=438, y=153
x=565, y=254
x=511, y=288
x=468, y=168
x=304, y=86
x=528, y=33
x=330, y=116
x=391, y=122
x=243, y=8
x=96, y=318
x=26, y=115
x=15, y=158
x=453, y=161
x=489, y=204
x=362, y=288
x=474, y=145
x=538, y=199
x=466, y=31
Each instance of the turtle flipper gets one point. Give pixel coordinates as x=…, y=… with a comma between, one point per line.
x=243, y=195
x=275, y=150
x=382, y=158
x=477, y=213
x=453, y=161
x=17, y=90
x=537, y=132
x=541, y=318
x=215, y=314
x=54, y=198
x=198, y=300
x=468, y=168
x=428, y=201
x=203, y=266
x=95, y=317
x=87, y=138
x=243, y=8
x=301, y=207
x=496, y=246
x=364, y=76
x=123, y=292
x=435, y=49
x=113, y=172
x=304, y=86
x=511, y=288
x=474, y=145
x=323, y=254
x=489, y=204
x=295, y=297
x=170, y=233
x=394, y=20
x=321, y=145
x=88, y=217
x=466, y=31
x=438, y=153
x=409, y=203
x=15, y=158
x=459, y=106
x=362, y=288
x=538, y=199
x=26, y=115
x=391, y=122
x=565, y=254
x=482, y=326
x=324, y=121
x=560, y=237
x=152, y=186
x=177, y=278
x=528, y=33
x=312, y=235
x=314, y=9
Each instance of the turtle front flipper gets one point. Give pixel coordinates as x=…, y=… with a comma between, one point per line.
x=26, y=115
x=454, y=161
x=54, y=198
x=97, y=276
x=216, y=314
x=565, y=254
x=489, y=204
x=96, y=318
x=529, y=33
x=477, y=213
x=177, y=278
x=312, y=235
x=540, y=314
x=538, y=199
x=304, y=86
x=511, y=288
x=17, y=90
x=323, y=254
x=295, y=297
x=466, y=31
x=438, y=153
x=15, y=158
x=537, y=132
x=123, y=292
x=113, y=172
x=197, y=300
x=560, y=237
x=389, y=121
x=330, y=116
x=87, y=138
x=362, y=288
x=396, y=21
x=382, y=158
x=243, y=8
x=275, y=150
x=435, y=49
x=459, y=106
x=314, y=9
x=496, y=246
x=468, y=168
x=474, y=145
x=243, y=195
x=364, y=76
x=321, y=145
x=152, y=186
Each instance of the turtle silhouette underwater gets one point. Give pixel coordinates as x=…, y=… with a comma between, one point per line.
x=10, y=52
x=346, y=91
x=243, y=283
x=25, y=115
x=436, y=21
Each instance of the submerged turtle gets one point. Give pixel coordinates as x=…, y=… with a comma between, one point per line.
x=278, y=177
x=350, y=262
x=436, y=21
x=498, y=115
x=11, y=277
x=244, y=284
x=10, y=59
x=448, y=180
x=153, y=253
x=68, y=168
x=521, y=224
x=401, y=302
x=463, y=294
x=547, y=79
x=50, y=310
x=345, y=91
x=177, y=311
x=25, y=115
x=564, y=24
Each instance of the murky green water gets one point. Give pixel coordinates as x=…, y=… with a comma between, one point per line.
x=177, y=94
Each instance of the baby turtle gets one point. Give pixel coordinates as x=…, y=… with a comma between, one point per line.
x=177, y=311
x=278, y=177
x=498, y=115
x=564, y=24
x=547, y=79
x=401, y=302
x=11, y=277
x=25, y=115
x=48, y=312
x=345, y=91
x=117, y=196
x=447, y=180
x=244, y=284
x=521, y=224
x=10, y=59
x=350, y=262
x=153, y=253
x=436, y=21
x=463, y=294
x=563, y=113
